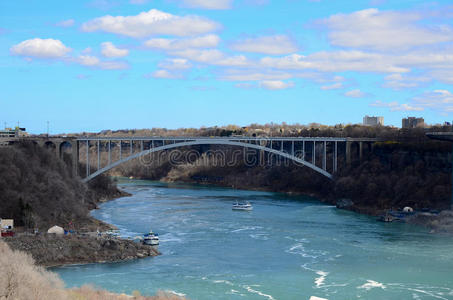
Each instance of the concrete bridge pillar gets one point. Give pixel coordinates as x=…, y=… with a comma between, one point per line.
x=360, y=151
x=57, y=149
x=75, y=158
x=348, y=152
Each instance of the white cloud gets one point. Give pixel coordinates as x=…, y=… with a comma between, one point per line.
x=95, y=62
x=442, y=75
x=407, y=107
x=109, y=50
x=398, y=81
x=334, y=86
x=40, y=48
x=244, y=85
x=87, y=50
x=255, y=75
x=386, y=30
x=335, y=61
x=212, y=57
x=395, y=106
x=208, y=4
x=276, y=84
x=206, y=41
x=439, y=100
x=175, y=64
x=355, y=94
x=88, y=60
x=66, y=23
x=150, y=23
x=273, y=45
x=165, y=74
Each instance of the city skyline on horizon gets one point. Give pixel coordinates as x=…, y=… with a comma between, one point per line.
x=56, y=132
x=96, y=65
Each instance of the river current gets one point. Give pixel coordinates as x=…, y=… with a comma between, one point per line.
x=288, y=247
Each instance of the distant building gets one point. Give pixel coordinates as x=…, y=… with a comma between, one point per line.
x=373, y=121
x=16, y=132
x=413, y=122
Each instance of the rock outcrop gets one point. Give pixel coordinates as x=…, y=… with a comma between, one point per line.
x=52, y=250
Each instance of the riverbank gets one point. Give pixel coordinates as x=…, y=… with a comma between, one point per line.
x=43, y=192
x=83, y=247
x=53, y=250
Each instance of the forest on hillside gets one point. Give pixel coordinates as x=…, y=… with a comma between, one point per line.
x=38, y=191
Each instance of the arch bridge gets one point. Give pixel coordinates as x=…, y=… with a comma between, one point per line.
x=312, y=152
x=317, y=153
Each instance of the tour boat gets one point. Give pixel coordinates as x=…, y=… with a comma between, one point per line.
x=151, y=239
x=242, y=206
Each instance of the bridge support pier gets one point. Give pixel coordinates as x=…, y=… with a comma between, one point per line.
x=75, y=158
x=334, y=158
x=360, y=151
x=57, y=150
x=348, y=153
x=313, y=159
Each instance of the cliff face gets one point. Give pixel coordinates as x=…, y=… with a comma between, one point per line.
x=37, y=190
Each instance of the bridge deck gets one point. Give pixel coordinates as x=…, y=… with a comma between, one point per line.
x=235, y=138
x=442, y=136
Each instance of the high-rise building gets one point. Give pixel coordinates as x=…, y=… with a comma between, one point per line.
x=373, y=121
x=412, y=122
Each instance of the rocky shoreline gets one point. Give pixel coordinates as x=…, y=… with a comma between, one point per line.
x=83, y=247
x=53, y=250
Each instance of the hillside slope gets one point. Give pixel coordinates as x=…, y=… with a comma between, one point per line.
x=38, y=191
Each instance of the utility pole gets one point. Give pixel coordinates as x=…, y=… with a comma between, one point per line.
x=47, y=128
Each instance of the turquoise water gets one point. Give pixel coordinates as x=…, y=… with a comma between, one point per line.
x=286, y=248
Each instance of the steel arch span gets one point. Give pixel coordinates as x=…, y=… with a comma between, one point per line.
x=205, y=142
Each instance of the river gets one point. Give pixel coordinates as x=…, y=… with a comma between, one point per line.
x=288, y=247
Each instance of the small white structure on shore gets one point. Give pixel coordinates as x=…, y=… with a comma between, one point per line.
x=56, y=230
x=408, y=209
x=6, y=223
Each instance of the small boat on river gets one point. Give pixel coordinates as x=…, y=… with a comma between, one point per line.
x=151, y=239
x=243, y=206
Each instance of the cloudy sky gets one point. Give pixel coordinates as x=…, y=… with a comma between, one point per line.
x=111, y=64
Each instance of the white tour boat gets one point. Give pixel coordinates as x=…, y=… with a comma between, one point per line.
x=242, y=206
x=151, y=239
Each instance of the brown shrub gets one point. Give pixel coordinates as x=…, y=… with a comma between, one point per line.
x=21, y=279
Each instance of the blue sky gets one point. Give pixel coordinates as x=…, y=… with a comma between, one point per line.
x=112, y=64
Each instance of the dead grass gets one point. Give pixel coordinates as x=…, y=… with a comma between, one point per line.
x=21, y=279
